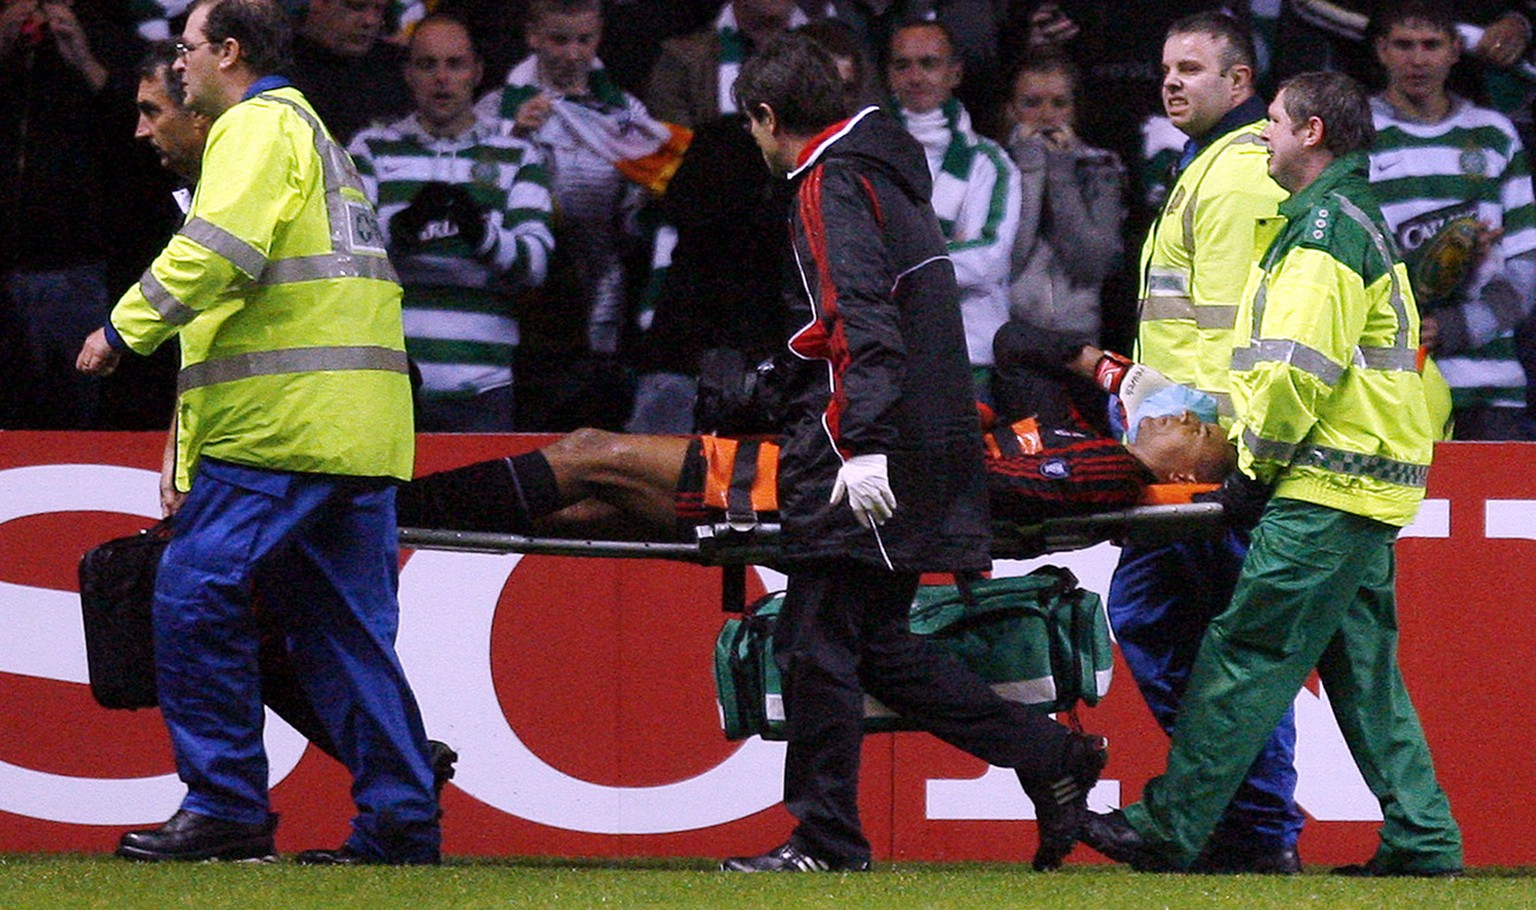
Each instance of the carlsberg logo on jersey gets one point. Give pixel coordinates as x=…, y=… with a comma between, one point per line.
x=1420, y=229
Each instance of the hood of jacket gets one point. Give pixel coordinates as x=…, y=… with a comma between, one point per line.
x=880, y=141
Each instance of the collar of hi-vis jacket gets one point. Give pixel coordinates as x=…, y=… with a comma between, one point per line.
x=265, y=84
x=1240, y=116
x=1354, y=166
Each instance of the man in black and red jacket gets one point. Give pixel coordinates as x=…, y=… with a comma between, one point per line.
x=880, y=471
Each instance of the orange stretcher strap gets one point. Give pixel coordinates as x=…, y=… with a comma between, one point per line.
x=754, y=483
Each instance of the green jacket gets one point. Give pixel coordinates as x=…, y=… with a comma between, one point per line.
x=293, y=357
x=1330, y=404
x=1195, y=261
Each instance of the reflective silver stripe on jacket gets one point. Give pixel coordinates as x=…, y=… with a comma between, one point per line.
x=357, y=243
x=1216, y=317
x=173, y=311
x=1188, y=215
x=1294, y=353
x=1397, y=358
x=326, y=265
x=241, y=255
x=291, y=360
x=1337, y=461
x=1388, y=360
x=1309, y=360
x=1167, y=281
x=1160, y=307
x=1206, y=317
x=1384, y=250
x=1269, y=449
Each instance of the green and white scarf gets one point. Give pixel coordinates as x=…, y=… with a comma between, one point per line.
x=945, y=134
x=602, y=120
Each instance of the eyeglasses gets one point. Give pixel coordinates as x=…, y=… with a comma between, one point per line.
x=183, y=48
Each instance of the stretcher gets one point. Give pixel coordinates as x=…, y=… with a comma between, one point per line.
x=734, y=545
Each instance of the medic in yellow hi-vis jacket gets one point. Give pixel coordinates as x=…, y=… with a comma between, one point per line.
x=1194, y=264
x=293, y=356
x=1331, y=406
x=1195, y=260
x=1332, y=414
x=294, y=422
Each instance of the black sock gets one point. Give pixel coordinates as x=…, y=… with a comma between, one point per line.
x=478, y=497
x=536, y=486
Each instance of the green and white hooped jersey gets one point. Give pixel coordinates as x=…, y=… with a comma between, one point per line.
x=1469, y=164
x=459, y=323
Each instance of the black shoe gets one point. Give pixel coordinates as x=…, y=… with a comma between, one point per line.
x=1061, y=805
x=789, y=858
x=346, y=856
x=188, y=836
x=1373, y=869
x=442, y=758
x=1113, y=836
x=1235, y=859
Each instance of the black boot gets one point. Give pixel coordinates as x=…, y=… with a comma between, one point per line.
x=1112, y=835
x=789, y=858
x=188, y=836
x=1061, y=803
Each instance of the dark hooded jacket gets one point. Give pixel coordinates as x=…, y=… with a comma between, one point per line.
x=879, y=361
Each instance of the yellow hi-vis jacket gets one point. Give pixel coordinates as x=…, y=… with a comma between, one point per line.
x=1331, y=406
x=293, y=356
x=1195, y=261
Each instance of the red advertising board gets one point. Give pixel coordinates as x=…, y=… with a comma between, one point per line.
x=580, y=696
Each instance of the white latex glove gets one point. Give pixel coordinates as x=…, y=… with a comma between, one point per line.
x=867, y=484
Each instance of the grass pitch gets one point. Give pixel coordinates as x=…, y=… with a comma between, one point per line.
x=68, y=882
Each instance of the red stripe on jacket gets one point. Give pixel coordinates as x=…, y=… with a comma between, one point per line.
x=824, y=338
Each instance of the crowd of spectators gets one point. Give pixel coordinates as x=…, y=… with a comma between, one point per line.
x=556, y=276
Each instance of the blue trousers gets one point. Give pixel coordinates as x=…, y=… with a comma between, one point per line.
x=327, y=552
x=1161, y=600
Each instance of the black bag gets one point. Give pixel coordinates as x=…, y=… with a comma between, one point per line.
x=117, y=591
x=735, y=397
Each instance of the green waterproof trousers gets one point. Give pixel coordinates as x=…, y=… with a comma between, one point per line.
x=1316, y=591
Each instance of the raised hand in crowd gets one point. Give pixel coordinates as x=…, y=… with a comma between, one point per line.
x=1049, y=27
x=1504, y=41
x=532, y=115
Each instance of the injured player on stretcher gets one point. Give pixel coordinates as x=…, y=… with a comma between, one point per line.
x=1051, y=451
